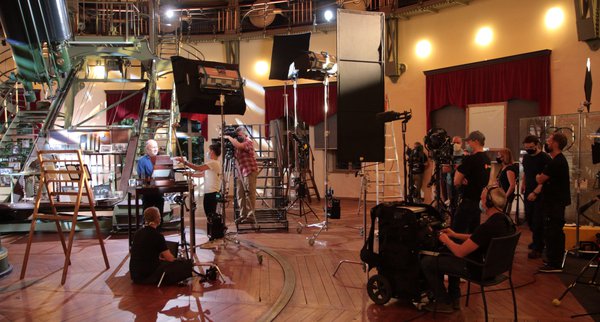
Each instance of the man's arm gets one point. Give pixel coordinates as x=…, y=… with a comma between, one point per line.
x=459, y=250
x=166, y=255
x=235, y=142
x=458, y=178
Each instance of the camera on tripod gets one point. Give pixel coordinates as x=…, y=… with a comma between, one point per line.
x=439, y=144
x=229, y=149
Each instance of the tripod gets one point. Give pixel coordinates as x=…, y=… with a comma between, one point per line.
x=577, y=280
x=301, y=199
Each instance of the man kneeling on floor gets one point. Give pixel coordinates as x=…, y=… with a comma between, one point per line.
x=151, y=260
x=474, y=246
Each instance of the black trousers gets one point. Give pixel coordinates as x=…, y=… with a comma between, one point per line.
x=435, y=267
x=554, y=237
x=210, y=203
x=175, y=272
x=467, y=216
x=535, y=219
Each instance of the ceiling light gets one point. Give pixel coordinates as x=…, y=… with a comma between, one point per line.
x=170, y=13
x=328, y=15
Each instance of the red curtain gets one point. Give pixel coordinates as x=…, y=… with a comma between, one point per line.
x=130, y=108
x=524, y=76
x=310, y=102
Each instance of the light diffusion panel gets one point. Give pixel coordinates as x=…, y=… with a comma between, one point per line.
x=360, y=86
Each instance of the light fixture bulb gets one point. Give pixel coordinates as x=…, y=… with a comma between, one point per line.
x=484, y=36
x=328, y=15
x=554, y=18
x=170, y=13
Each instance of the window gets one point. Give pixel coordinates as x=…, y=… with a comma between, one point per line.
x=190, y=140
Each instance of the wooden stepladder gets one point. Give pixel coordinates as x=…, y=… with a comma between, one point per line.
x=63, y=173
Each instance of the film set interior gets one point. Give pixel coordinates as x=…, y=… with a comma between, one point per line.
x=299, y=160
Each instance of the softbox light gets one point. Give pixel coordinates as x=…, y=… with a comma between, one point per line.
x=285, y=49
x=200, y=83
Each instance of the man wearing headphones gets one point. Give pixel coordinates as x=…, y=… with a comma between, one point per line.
x=474, y=246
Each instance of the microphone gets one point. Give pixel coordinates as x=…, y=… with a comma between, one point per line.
x=390, y=116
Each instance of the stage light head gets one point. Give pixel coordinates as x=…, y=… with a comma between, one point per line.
x=316, y=66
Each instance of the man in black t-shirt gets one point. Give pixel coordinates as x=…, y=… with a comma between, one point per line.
x=473, y=174
x=534, y=163
x=474, y=246
x=555, y=189
x=150, y=257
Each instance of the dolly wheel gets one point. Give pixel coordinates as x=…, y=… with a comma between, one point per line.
x=379, y=289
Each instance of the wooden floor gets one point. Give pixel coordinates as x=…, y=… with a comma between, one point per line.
x=92, y=293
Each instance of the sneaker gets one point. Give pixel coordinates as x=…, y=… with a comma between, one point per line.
x=550, y=269
x=534, y=254
x=456, y=304
x=439, y=307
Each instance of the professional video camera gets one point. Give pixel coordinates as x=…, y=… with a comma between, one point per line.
x=229, y=149
x=439, y=144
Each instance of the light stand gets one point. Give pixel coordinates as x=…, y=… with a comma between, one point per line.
x=328, y=191
x=587, y=103
x=363, y=185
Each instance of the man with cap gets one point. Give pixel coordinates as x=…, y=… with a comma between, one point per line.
x=472, y=175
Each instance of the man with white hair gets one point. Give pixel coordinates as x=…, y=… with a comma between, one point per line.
x=145, y=167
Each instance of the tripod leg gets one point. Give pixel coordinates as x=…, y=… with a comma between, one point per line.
x=556, y=302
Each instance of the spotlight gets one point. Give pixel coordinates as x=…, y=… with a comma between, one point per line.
x=328, y=15
x=169, y=13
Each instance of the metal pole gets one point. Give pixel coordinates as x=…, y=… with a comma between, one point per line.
x=326, y=137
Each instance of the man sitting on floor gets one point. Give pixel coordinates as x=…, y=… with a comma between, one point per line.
x=474, y=246
x=151, y=260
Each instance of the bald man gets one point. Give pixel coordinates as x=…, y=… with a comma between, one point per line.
x=145, y=167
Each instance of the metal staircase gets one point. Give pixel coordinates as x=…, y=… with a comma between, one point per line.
x=168, y=45
x=384, y=178
x=271, y=201
x=156, y=124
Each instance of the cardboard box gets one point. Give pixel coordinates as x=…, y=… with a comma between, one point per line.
x=586, y=233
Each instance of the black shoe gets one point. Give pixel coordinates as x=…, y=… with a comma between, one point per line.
x=534, y=254
x=240, y=220
x=550, y=269
x=440, y=307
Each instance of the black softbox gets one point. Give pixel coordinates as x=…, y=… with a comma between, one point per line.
x=285, y=49
x=193, y=96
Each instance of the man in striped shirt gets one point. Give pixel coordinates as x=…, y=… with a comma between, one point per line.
x=248, y=172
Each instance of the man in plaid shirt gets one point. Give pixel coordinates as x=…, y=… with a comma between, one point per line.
x=248, y=171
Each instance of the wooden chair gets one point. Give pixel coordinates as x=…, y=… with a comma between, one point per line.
x=496, y=268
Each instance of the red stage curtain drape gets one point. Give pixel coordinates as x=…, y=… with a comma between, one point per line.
x=130, y=108
x=310, y=102
x=524, y=76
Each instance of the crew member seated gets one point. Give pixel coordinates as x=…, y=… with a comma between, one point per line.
x=474, y=246
x=151, y=260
